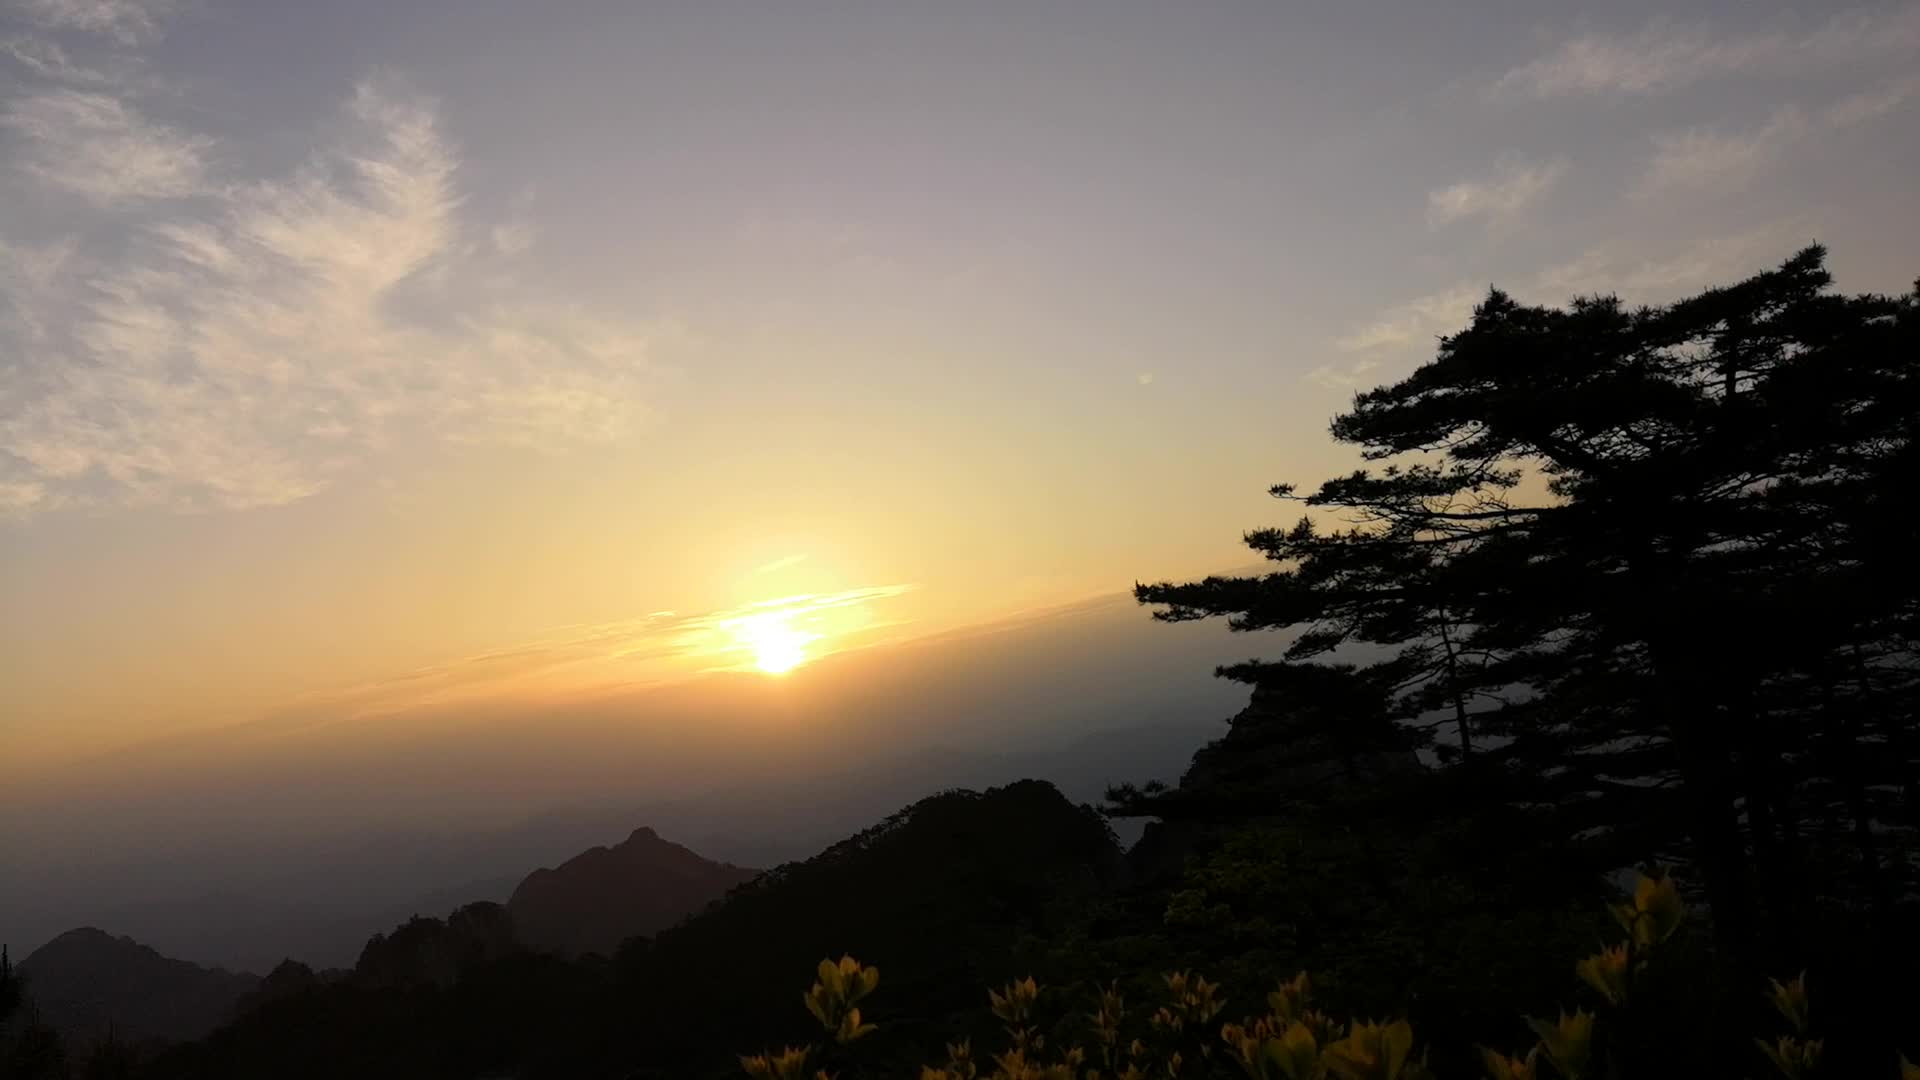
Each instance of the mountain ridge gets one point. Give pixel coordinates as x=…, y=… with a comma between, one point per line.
x=88, y=983
x=607, y=894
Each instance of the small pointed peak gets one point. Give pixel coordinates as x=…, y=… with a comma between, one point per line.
x=644, y=832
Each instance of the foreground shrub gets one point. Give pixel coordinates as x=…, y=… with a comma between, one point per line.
x=1182, y=1033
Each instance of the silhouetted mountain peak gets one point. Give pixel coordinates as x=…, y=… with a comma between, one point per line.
x=605, y=895
x=86, y=937
x=87, y=980
x=92, y=945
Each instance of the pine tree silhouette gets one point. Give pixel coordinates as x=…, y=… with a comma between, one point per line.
x=1646, y=570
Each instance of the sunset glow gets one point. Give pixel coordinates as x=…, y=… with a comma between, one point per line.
x=750, y=462
x=776, y=646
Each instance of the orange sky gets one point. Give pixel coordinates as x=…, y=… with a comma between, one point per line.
x=330, y=360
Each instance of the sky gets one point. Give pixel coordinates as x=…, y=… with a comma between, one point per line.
x=373, y=366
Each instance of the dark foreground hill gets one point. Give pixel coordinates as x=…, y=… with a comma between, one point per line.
x=942, y=892
x=601, y=897
x=86, y=982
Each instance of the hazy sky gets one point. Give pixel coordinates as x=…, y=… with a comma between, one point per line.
x=347, y=344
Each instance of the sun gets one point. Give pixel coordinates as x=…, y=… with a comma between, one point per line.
x=776, y=646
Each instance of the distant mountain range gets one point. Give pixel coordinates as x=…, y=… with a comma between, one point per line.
x=321, y=908
x=944, y=891
x=940, y=886
x=87, y=982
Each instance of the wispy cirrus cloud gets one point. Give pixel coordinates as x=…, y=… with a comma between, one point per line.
x=29, y=276
x=782, y=563
x=46, y=59
x=1421, y=319
x=1612, y=270
x=1707, y=158
x=1664, y=56
x=1602, y=270
x=128, y=22
x=1514, y=185
x=1342, y=376
x=97, y=146
x=199, y=338
x=247, y=347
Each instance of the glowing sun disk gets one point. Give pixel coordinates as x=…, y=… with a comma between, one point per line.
x=776, y=646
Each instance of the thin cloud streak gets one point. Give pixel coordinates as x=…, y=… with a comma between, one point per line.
x=1423, y=318
x=1663, y=56
x=1336, y=377
x=1515, y=186
x=48, y=60
x=1703, y=159
x=662, y=647
x=1601, y=270
x=99, y=148
x=129, y=22
x=1607, y=271
x=780, y=564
